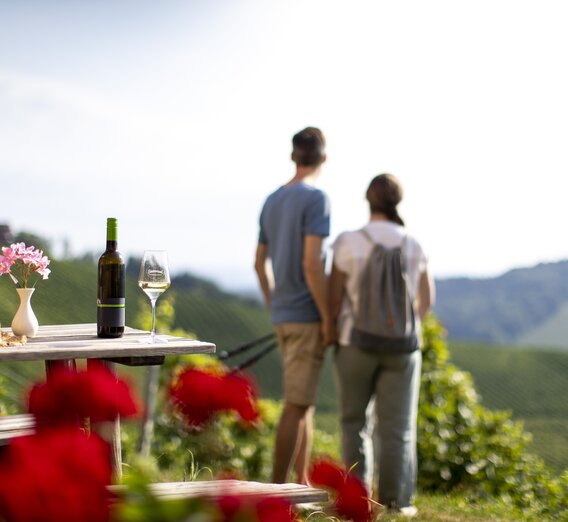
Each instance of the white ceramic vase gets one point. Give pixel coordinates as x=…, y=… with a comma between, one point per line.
x=25, y=321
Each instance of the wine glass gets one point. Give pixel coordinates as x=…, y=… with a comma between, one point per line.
x=154, y=279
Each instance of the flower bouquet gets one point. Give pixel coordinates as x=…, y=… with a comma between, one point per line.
x=21, y=263
x=25, y=266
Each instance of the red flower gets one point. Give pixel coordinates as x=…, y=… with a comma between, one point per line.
x=258, y=508
x=68, y=397
x=199, y=395
x=54, y=475
x=241, y=396
x=351, y=497
x=274, y=509
x=325, y=472
x=352, y=500
x=229, y=505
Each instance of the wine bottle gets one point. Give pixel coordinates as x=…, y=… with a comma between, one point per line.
x=111, y=286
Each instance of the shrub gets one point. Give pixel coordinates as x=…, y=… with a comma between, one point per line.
x=462, y=445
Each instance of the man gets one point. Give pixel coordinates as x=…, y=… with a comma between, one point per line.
x=293, y=225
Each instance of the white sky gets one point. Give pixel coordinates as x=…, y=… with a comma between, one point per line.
x=176, y=117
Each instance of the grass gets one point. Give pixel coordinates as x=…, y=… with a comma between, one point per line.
x=446, y=508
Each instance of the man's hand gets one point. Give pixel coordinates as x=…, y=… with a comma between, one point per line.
x=328, y=332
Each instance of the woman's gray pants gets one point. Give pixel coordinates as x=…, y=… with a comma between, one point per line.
x=389, y=384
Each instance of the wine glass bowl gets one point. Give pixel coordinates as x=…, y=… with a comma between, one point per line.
x=154, y=280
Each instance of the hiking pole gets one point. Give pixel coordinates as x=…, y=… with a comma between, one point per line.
x=255, y=358
x=226, y=354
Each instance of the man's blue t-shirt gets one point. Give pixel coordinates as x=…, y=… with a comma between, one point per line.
x=289, y=214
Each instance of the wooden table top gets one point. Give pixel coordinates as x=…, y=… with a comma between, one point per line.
x=80, y=341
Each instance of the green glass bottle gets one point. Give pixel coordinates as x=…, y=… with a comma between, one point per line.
x=111, y=295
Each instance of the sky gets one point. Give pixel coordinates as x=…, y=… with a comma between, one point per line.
x=176, y=117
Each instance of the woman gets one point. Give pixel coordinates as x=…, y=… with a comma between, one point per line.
x=379, y=378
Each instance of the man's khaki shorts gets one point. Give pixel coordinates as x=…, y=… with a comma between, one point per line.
x=302, y=359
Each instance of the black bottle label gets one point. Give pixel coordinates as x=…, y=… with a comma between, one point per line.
x=110, y=312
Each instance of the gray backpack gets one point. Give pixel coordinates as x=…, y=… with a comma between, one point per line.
x=384, y=321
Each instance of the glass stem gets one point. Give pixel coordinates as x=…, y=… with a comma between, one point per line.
x=153, y=305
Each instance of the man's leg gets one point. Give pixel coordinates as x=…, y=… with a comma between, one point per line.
x=291, y=429
x=302, y=358
x=304, y=450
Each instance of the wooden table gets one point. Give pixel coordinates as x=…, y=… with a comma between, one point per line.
x=61, y=344
x=80, y=341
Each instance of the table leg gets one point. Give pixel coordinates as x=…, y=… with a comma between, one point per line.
x=51, y=366
x=150, y=399
x=110, y=431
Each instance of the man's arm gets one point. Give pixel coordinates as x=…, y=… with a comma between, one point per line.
x=314, y=273
x=260, y=268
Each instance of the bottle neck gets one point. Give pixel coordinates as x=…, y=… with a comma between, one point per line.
x=112, y=234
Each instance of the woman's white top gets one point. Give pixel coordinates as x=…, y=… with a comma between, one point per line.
x=350, y=253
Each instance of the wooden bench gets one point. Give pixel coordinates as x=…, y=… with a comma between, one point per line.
x=294, y=493
x=14, y=426
x=17, y=425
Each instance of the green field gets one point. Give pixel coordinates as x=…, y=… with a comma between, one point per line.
x=531, y=383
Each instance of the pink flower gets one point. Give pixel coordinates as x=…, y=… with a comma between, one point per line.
x=25, y=261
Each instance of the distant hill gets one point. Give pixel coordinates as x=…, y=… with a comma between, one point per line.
x=522, y=306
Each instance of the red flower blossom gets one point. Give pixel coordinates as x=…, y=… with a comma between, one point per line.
x=54, y=475
x=199, y=395
x=352, y=500
x=325, y=472
x=68, y=397
x=241, y=396
x=274, y=509
x=351, y=497
x=260, y=509
x=229, y=505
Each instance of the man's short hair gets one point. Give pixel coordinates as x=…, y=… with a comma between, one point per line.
x=308, y=147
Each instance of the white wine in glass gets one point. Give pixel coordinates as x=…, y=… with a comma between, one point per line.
x=154, y=280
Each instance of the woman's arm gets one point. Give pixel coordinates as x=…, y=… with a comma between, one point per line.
x=426, y=294
x=336, y=291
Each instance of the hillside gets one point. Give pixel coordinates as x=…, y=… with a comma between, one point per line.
x=525, y=305
x=531, y=383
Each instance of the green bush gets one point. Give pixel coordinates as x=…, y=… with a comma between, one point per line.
x=224, y=447
x=462, y=445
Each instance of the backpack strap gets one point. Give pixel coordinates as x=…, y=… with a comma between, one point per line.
x=367, y=236
x=404, y=252
x=403, y=249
